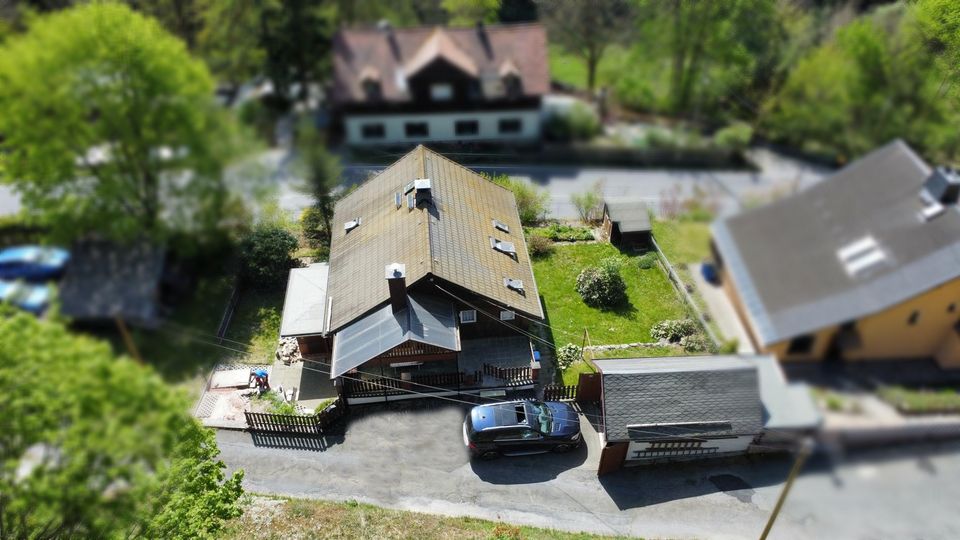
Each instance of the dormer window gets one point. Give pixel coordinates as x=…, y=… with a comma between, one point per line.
x=441, y=92
x=512, y=87
x=370, y=82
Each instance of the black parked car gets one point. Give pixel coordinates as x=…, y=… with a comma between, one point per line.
x=521, y=427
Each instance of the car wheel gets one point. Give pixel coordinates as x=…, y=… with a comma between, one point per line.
x=562, y=448
x=489, y=454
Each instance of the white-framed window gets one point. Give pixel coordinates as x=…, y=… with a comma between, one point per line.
x=441, y=92
x=468, y=316
x=507, y=315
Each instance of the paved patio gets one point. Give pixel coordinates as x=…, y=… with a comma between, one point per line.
x=311, y=381
x=508, y=352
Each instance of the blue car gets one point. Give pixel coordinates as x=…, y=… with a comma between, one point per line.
x=33, y=263
x=521, y=427
x=26, y=296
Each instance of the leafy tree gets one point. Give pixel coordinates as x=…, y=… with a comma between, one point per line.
x=531, y=202
x=397, y=12
x=230, y=39
x=266, y=256
x=296, y=37
x=576, y=123
x=589, y=204
x=322, y=171
x=467, y=12
x=586, y=28
x=874, y=81
x=939, y=22
x=180, y=17
x=109, y=126
x=108, y=451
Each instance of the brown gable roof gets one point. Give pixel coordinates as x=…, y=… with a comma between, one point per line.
x=484, y=53
x=449, y=239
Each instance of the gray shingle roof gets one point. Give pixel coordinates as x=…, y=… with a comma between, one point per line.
x=783, y=257
x=691, y=391
x=449, y=238
x=630, y=215
x=105, y=280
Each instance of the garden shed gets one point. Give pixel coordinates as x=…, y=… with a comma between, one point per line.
x=626, y=223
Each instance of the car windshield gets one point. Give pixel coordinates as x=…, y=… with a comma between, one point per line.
x=540, y=418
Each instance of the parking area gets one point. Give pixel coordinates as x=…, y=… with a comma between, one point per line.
x=411, y=456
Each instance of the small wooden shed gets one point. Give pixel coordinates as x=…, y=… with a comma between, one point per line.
x=626, y=223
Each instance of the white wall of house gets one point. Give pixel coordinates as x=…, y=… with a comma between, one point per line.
x=442, y=127
x=723, y=446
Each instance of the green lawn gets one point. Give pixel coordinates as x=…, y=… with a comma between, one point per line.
x=651, y=298
x=185, y=347
x=683, y=242
x=642, y=352
x=274, y=517
x=921, y=400
x=571, y=69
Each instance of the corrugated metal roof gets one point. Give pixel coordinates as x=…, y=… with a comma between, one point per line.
x=783, y=257
x=425, y=319
x=305, y=303
x=630, y=215
x=700, y=396
x=448, y=238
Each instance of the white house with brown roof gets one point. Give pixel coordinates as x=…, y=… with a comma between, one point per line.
x=414, y=85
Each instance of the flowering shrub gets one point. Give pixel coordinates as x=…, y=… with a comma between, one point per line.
x=602, y=287
x=694, y=343
x=673, y=330
x=568, y=354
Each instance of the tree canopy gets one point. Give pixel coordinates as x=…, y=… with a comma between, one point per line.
x=100, y=447
x=110, y=126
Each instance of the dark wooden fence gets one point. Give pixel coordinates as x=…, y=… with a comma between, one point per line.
x=314, y=424
x=423, y=383
x=513, y=374
x=559, y=392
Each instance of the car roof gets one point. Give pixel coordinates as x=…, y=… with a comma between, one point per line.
x=498, y=415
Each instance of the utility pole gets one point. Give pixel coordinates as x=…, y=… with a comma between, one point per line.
x=128, y=339
x=802, y=455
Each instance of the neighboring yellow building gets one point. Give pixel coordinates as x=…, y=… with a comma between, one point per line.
x=863, y=266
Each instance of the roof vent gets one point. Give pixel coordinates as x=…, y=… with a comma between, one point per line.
x=506, y=247
x=351, y=225
x=943, y=185
x=861, y=255
x=501, y=226
x=513, y=284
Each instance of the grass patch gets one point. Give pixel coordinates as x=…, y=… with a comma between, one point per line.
x=920, y=401
x=572, y=70
x=642, y=352
x=682, y=241
x=269, y=518
x=571, y=375
x=186, y=347
x=650, y=297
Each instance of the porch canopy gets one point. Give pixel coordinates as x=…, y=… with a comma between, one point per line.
x=305, y=305
x=426, y=319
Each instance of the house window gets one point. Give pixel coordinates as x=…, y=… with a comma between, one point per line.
x=507, y=315
x=468, y=316
x=467, y=127
x=441, y=92
x=373, y=131
x=914, y=317
x=510, y=125
x=416, y=129
x=801, y=344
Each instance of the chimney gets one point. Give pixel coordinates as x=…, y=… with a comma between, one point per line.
x=386, y=28
x=943, y=185
x=396, y=275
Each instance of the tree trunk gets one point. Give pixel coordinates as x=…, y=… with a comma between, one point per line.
x=679, y=56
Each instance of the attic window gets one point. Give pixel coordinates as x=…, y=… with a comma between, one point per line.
x=507, y=315
x=504, y=247
x=861, y=255
x=501, y=226
x=351, y=225
x=468, y=316
x=513, y=284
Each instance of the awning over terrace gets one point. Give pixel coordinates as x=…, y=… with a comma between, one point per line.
x=426, y=320
x=305, y=305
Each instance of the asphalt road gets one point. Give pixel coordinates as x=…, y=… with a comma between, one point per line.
x=414, y=459
x=731, y=189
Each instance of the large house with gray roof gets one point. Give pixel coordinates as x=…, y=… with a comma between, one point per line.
x=862, y=266
x=429, y=287
x=397, y=86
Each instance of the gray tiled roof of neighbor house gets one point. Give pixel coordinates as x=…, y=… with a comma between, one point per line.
x=784, y=258
x=786, y=405
x=104, y=280
x=448, y=237
x=680, y=397
x=630, y=215
x=305, y=303
x=425, y=319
